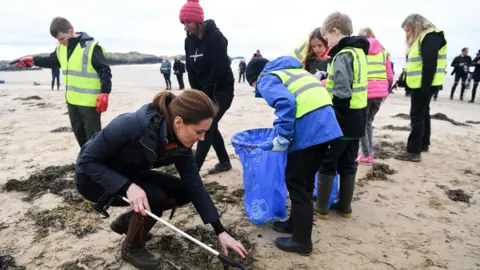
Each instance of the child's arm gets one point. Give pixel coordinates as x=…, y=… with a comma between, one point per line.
x=283, y=101
x=343, y=77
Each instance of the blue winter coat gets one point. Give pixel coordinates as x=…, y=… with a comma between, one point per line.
x=129, y=146
x=314, y=128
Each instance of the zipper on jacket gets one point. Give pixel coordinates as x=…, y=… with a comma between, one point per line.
x=155, y=154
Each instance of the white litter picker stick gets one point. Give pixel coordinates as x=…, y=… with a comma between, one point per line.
x=227, y=261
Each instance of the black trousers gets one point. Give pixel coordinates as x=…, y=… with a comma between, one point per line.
x=419, y=120
x=85, y=122
x=340, y=157
x=180, y=81
x=302, y=165
x=240, y=77
x=157, y=185
x=463, y=77
x=474, y=89
x=57, y=78
x=213, y=137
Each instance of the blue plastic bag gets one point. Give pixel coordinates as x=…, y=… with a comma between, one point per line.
x=263, y=175
x=333, y=194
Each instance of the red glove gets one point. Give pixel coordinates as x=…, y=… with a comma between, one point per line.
x=26, y=62
x=102, y=103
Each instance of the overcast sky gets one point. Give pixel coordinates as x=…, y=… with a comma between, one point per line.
x=273, y=26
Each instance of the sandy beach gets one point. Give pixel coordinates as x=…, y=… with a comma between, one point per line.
x=405, y=215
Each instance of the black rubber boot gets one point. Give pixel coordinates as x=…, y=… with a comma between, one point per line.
x=301, y=240
x=405, y=156
x=324, y=184
x=220, y=167
x=284, y=226
x=345, y=196
x=133, y=248
x=120, y=225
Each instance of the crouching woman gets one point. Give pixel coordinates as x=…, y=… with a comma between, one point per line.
x=119, y=160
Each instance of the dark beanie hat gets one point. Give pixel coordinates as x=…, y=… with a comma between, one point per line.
x=254, y=68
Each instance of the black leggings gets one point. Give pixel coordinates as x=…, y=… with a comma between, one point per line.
x=213, y=137
x=157, y=185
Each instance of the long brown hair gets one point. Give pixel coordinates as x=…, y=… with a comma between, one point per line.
x=316, y=34
x=418, y=24
x=192, y=106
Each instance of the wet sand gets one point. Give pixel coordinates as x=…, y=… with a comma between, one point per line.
x=406, y=216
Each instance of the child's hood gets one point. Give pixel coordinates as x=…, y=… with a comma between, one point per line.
x=282, y=62
x=375, y=46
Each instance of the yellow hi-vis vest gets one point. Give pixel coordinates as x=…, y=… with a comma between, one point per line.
x=300, y=53
x=360, y=77
x=81, y=80
x=376, y=66
x=308, y=91
x=413, y=71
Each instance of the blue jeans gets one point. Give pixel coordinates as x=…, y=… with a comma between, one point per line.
x=366, y=141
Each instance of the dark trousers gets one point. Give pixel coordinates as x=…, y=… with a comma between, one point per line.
x=463, y=77
x=474, y=89
x=240, y=77
x=180, y=81
x=157, y=185
x=213, y=137
x=340, y=158
x=167, y=78
x=85, y=122
x=57, y=78
x=419, y=120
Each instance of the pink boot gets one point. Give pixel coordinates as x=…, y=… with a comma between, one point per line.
x=368, y=161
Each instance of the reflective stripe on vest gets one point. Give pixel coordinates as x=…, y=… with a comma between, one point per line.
x=300, y=53
x=413, y=71
x=360, y=77
x=81, y=79
x=309, y=93
x=377, y=69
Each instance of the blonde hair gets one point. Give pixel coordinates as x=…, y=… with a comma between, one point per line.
x=340, y=21
x=366, y=32
x=418, y=24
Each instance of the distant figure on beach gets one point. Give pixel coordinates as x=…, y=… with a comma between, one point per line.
x=460, y=66
x=380, y=77
x=209, y=70
x=87, y=90
x=257, y=54
x=242, y=67
x=179, y=70
x=56, y=76
x=121, y=160
x=166, y=69
x=425, y=74
x=475, y=76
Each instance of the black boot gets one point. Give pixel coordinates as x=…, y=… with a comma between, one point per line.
x=220, y=167
x=405, y=156
x=301, y=240
x=133, y=248
x=284, y=226
x=345, y=196
x=324, y=184
x=120, y=225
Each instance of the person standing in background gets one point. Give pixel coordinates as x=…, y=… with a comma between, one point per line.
x=460, y=68
x=476, y=75
x=380, y=77
x=425, y=74
x=242, y=67
x=178, y=70
x=209, y=70
x=88, y=83
x=166, y=69
x=257, y=54
x=56, y=76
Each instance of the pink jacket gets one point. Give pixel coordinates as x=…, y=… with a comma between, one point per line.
x=379, y=89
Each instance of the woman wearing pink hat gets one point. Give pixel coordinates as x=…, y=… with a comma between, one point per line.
x=208, y=67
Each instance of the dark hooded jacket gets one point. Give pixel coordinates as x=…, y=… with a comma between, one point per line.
x=207, y=61
x=352, y=121
x=132, y=144
x=99, y=61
